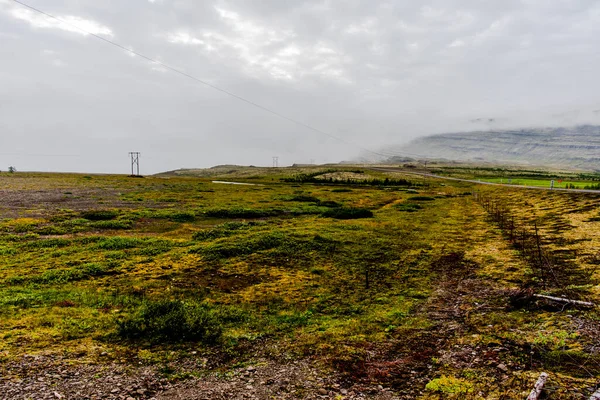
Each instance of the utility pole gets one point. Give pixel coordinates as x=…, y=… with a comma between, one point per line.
x=135, y=162
x=275, y=162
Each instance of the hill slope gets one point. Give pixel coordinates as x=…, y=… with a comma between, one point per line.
x=577, y=146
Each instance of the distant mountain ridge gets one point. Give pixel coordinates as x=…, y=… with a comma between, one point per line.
x=577, y=146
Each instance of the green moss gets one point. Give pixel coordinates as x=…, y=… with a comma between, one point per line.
x=449, y=385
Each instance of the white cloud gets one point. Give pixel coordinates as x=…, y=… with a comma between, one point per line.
x=263, y=49
x=366, y=27
x=69, y=23
x=457, y=43
x=184, y=38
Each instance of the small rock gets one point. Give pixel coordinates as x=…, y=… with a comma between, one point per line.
x=502, y=367
x=323, y=392
x=58, y=395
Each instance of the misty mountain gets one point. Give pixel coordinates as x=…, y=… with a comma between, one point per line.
x=577, y=146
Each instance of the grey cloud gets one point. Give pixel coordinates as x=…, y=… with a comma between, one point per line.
x=371, y=72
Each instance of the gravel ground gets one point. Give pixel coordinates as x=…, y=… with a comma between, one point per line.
x=51, y=377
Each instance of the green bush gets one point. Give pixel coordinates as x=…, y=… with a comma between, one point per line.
x=304, y=198
x=153, y=247
x=341, y=190
x=224, y=230
x=347, y=213
x=421, y=198
x=169, y=321
x=409, y=207
x=99, y=215
x=244, y=247
x=52, y=230
x=329, y=203
x=184, y=216
x=238, y=212
x=78, y=273
x=118, y=243
x=116, y=224
x=278, y=242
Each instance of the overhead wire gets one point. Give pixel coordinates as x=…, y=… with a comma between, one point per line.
x=205, y=83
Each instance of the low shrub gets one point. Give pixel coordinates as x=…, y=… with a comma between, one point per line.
x=347, y=213
x=118, y=243
x=304, y=198
x=421, y=198
x=278, y=242
x=168, y=321
x=409, y=207
x=52, y=230
x=115, y=224
x=240, y=248
x=184, y=216
x=78, y=273
x=223, y=230
x=329, y=203
x=239, y=212
x=99, y=215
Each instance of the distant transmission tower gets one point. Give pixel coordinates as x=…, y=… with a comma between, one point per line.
x=135, y=163
x=275, y=162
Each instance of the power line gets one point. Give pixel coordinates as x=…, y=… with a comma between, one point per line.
x=210, y=85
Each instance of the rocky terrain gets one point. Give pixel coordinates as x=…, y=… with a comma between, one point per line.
x=577, y=147
x=52, y=377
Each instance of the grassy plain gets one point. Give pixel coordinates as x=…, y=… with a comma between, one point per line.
x=404, y=284
x=565, y=179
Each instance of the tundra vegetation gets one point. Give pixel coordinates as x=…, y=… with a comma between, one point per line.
x=422, y=286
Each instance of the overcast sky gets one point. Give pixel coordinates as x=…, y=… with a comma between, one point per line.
x=371, y=72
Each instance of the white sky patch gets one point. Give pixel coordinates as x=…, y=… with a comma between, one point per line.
x=184, y=38
x=457, y=43
x=366, y=27
x=414, y=46
x=494, y=30
x=59, y=63
x=290, y=51
x=70, y=24
x=51, y=56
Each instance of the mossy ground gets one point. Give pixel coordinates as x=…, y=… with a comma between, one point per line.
x=415, y=292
